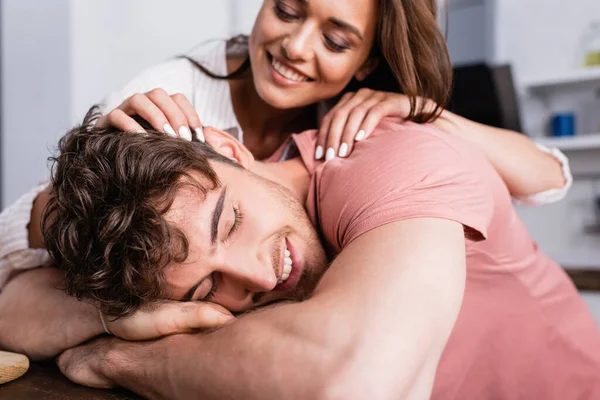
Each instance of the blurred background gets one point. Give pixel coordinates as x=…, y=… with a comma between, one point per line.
x=521, y=64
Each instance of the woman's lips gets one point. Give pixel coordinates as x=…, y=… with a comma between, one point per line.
x=284, y=74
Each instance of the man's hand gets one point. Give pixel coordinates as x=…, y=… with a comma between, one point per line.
x=86, y=364
x=168, y=318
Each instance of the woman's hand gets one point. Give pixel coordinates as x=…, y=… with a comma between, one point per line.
x=355, y=117
x=167, y=318
x=38, y=319
x=172, y=114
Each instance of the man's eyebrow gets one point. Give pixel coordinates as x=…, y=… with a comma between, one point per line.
x=216, y=217
x=339, y=23
x=188, y=296
x=347, y=27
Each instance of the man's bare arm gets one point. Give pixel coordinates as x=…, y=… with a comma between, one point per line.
x=375, y=328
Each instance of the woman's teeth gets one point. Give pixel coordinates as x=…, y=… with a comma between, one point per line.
x=287, y=266
x=288, y=73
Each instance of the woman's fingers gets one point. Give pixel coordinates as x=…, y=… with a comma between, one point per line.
x=335, y=145
x=325, y=126
x=353, y=131
x=120, y=120
x=140, y=104
x=171, y=114
x=375, y=115
x=176, y=124
x=356, y=117
x=190, y=114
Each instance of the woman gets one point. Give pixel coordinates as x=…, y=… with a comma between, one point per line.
x=300, y=56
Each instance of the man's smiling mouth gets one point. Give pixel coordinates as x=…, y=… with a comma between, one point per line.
x=287, y=265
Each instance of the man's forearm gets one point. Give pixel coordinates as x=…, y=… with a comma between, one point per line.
x=263, y=355
x=38, y=319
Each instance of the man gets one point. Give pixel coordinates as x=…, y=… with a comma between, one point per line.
x=435, y=286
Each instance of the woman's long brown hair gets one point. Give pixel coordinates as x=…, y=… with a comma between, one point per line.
x=412, y=53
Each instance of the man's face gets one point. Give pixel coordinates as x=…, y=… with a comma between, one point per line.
x=240, y=235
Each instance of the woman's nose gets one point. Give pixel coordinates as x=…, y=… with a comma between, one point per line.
x=296, y=45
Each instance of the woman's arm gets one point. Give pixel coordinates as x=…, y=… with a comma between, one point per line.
x=532, y=174
x=38, y=319
x=20, y=235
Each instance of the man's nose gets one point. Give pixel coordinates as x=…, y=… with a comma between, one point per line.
x=240, y=283
x=296, y=46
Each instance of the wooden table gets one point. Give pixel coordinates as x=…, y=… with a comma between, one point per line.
x=44, y=381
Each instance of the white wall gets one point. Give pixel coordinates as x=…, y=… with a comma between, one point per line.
x=244, y=13
x=36, y=85
x=542, y=36
x=113, y=40
x=59, y=57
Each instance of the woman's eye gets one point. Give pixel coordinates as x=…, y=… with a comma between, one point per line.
x=284, y=12
x=335, y=45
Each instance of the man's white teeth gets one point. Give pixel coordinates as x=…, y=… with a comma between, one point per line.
x=288, y=73
x=287, y=266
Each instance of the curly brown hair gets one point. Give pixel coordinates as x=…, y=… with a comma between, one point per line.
x=104, y=224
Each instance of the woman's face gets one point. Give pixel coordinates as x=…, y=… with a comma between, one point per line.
x=306, y=51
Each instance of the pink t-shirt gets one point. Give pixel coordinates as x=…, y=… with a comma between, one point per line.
x=523, y=331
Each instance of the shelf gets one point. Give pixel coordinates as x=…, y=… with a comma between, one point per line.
x=572, y=143
x=583, y=78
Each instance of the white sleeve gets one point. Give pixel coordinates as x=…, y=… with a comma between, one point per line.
x=551, y=195
x=174, y=76
x=15, y=253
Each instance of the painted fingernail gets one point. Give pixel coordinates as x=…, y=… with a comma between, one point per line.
x=319, y=153
x=200, y=134
x=360, y=135
x=330, y=155
x=168, y=129
x=343, y=150
x=184, y=132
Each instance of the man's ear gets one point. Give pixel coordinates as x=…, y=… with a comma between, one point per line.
x=228, y=146
x=367, y=68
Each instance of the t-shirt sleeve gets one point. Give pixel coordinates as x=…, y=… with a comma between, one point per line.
x=408, y=174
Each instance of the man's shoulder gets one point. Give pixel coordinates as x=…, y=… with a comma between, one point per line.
x=408, y=139
x=400, y=171
x=404, y=152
